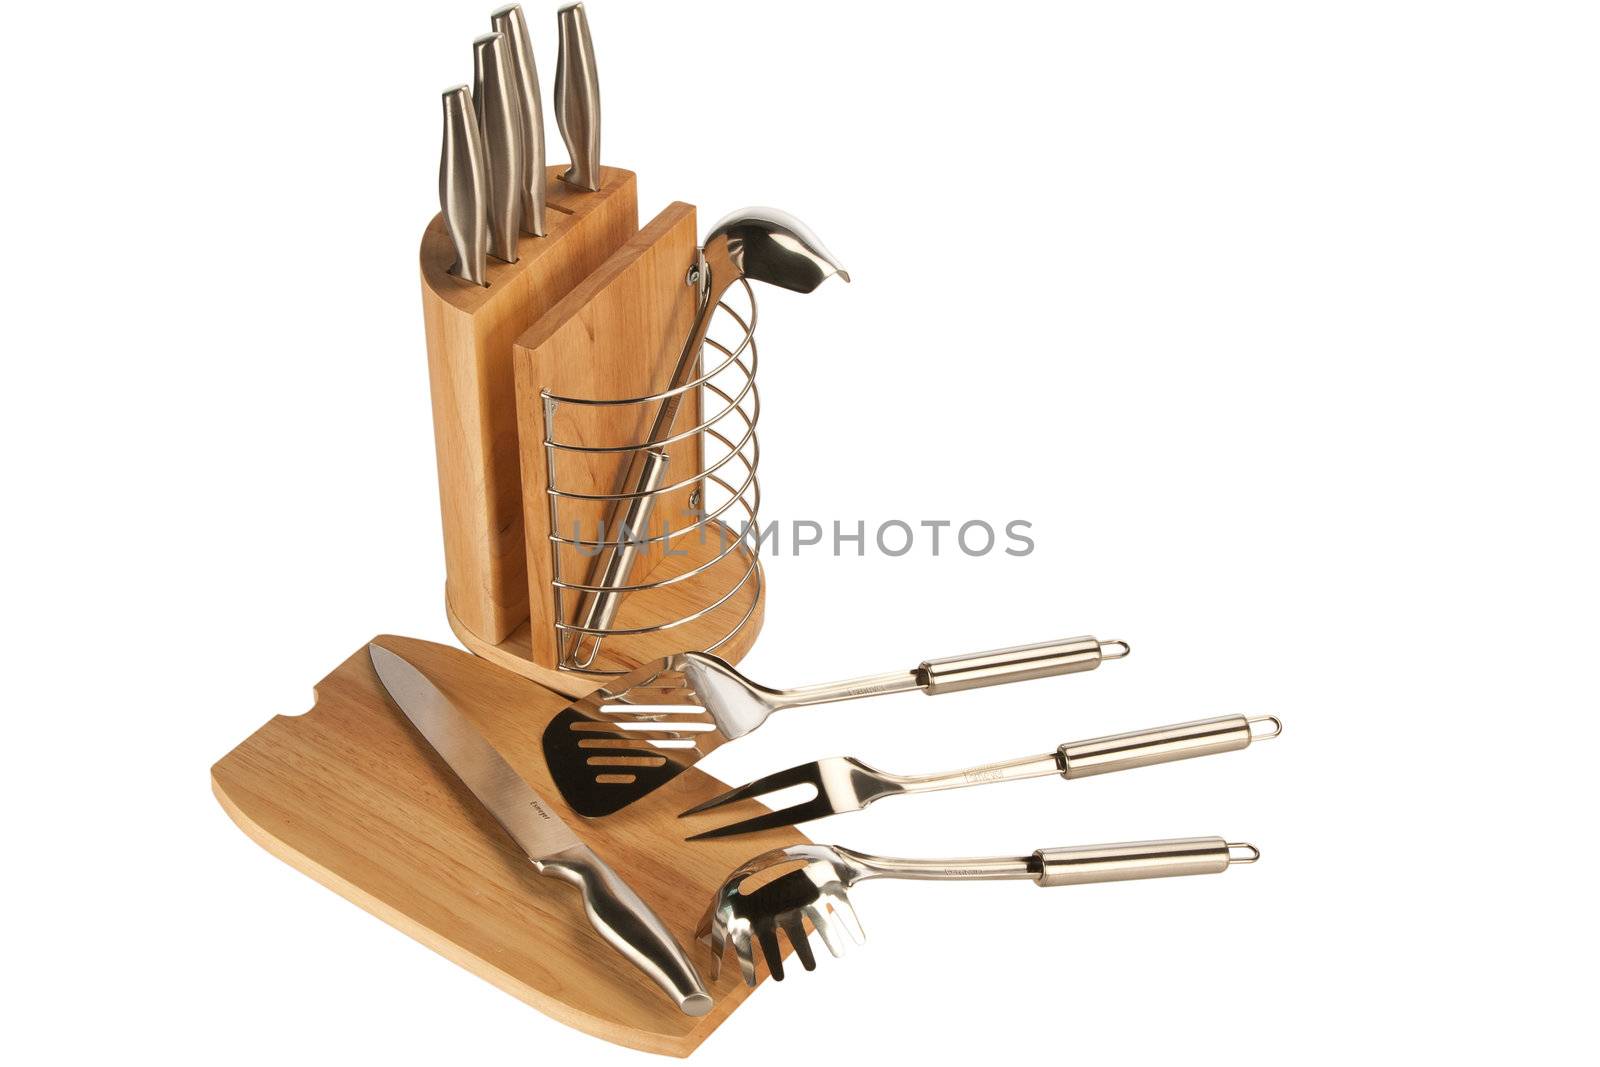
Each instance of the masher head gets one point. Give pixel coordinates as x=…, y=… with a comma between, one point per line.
x=765, y=244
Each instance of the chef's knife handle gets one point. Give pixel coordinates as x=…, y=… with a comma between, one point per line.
x=619, y=916
x=1045, y=660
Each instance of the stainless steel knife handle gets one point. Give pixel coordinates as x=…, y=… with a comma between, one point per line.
x=525, y=75
x=578, y=98
x=628, y=924
x=464, y=187
x=494, y=94
x=1045, y=660
x=1131, y=860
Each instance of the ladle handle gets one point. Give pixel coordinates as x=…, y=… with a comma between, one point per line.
x=1019, y=664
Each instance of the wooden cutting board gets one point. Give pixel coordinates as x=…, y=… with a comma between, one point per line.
x=351, y=794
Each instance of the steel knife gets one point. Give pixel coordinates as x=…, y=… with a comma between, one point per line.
x=614, y=910
x=525, y=78
x=464, y=187
x=494, y=94
x=578, y=98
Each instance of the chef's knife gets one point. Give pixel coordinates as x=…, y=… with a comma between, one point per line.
x=578, y=98
x=464, y=187
x=614, y=910
x=525, y=78
x=494, y=94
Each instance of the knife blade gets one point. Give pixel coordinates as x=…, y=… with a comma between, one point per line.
x=578, y=98
x=614, y=910
x=500, y=121
x=464, y=187
x=525, y=78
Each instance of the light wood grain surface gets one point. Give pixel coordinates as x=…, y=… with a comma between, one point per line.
x=470, y=330
x=350, y=794
x=617, y=335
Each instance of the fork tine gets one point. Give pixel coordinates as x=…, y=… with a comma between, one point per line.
x=804, y=774
x=795, y=928
x=795, y=813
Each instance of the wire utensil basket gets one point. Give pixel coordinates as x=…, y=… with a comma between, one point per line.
x=698, y=545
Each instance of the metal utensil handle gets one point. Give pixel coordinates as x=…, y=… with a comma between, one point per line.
x=1141, y=748
x=628, y=924
x=613, y=565
x=1138, y=859
x=1124, y=861
x=1103, y=755
x=1045, y=660
x=578, y=97
x=972, y=671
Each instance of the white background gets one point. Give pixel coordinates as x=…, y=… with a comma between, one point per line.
x=1277, y=320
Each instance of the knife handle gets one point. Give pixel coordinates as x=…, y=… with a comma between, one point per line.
x=624, y=920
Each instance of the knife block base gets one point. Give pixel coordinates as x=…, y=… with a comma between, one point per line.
x=351, y=795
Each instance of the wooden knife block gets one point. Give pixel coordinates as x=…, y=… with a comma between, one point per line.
x=598, y=309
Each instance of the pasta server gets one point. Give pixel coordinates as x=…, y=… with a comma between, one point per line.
x=817, y=892
x=638, y=732
x=844, y=783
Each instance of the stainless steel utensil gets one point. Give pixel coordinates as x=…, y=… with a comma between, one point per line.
x=634, y=734
x=846, y=784
x=817, y=891
x=464, y=187
x=578, y=98
x=509, y=22
x=494, y=94
x=758, y=244
x=613, y=909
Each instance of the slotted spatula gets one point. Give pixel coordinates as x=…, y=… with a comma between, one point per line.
x=624, y=740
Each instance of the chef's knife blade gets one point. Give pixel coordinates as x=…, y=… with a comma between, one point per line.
x=500, y=119
x=525, y=77
x=614, y=910
x=464, y=187
x=578, y=98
